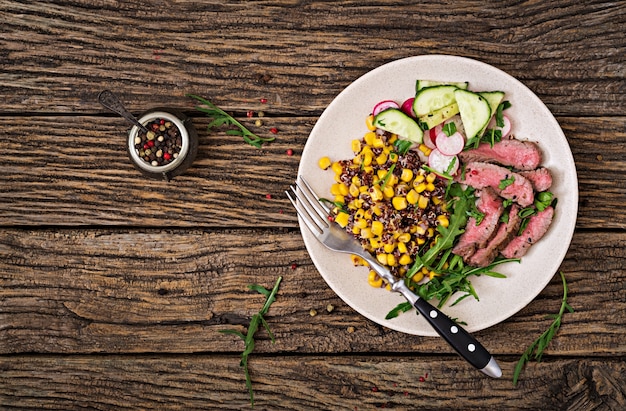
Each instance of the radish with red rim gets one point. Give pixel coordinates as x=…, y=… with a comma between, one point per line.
x=384, y=105
x=443, y=164
x=407, y=107
x=450, y=145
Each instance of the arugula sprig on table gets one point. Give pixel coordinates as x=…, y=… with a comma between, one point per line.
x=220, y=118
x=536, y=349
x=248, y=338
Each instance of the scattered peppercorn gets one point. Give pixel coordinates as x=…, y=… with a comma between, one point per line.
x=274, y=130
x=268, y=196
x=263, y=100
x=351, y=330
x=294, y=266
x=258, y=123
x=249, y=113
x=289, y=152
x=313, y=312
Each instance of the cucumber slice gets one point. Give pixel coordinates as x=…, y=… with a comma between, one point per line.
x=475, y=112
x=397, y=122
x=439, y=116
x=433, y=98
x=494, y=98
x=420, y=84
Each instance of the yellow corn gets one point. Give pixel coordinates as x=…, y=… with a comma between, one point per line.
x=369, y=122
x=356, y=230
x=340, y=199
x=378, y=143
x=369, y=138
x=419, y=187
x=391, y=260
x=389, y=247
x=430, y=187
x=388, y=191
x=381, y=159
x=377, y=227
x=354, y=190
x=324, y=163
x=443, y=220
x=356, y=260
x=344, y=190
x=399, y=203
x=412, y=197
x=375, y=242
x=375, y=209
x=374, y=280
x=367, y=159
x=356, y=146
x=407, y=175
x=431, y=177
x=404, y=237
x=418, y=276
x=424, y=149
x=366, y=233
x=382, y=258
x=405, y=259
x=342, y=219
x=376, y=194
x=422, y=202
x=402, y=248
x=336, y=167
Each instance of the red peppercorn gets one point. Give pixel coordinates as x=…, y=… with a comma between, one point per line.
x=162, y=122
x=146, y=146
x=268, y=196
x=167, y=156
x=150, y=143
x=294, y=266
x=422, y=379
x=263, y=100
x=289, y=152
x=274, y=130
x=249, y=113
x=374, y=389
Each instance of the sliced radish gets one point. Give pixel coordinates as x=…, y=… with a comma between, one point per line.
x=505, y=129
x=430, y=138
x=450, y=145
x=407, y=107
x=442, y=163
x=384, y=105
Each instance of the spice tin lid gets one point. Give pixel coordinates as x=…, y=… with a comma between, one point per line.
x=168, y=148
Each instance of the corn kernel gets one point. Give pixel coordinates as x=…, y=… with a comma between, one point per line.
x=375, y=242
x=382, y=258
x=417, y=277
x=420, y=187
x=369, y=122
x=422, y=202
x=433, y=274
x=407, y=175
x=430, y=232
x=430, y=187
x=335, y=190
x=399, y=203
x=366, y=233
x=356, y=230
x=374, y=280
x=393, y=157
x=419, y=178
x=443, y=220
x=367, y=159
x=392, y=139
x=369, y=138
x=377, y=227
x=381, y=174
x=391, y=260
x=336, y=167
x=402, y=248
x=357, y=261
x=324, y=163
x=431, y=177
x=353, y=190
x=340, y=199
x=376, y=194
x=389, y=247
x=381, y=159
x=405, y=259
x=378, y=143
x=420, y=230
x=342, y=219
x=375, y=209
x=404, y=238
x=356, y=146
x=412, y=197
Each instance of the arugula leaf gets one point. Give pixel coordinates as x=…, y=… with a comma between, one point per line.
x=541, y=343
x=400, y=308
x=449, y=128
x=248, y=338
x=221, y=118
x=402, y=146
x=506, y=182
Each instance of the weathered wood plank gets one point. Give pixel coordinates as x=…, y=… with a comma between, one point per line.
x=304, y=383
x=170, y=291
x=72, y=171
x=56, y=58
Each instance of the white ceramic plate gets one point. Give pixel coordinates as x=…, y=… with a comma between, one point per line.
x=344, y=120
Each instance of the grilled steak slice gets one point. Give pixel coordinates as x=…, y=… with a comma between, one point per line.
x=540, y=178
x=478, y=235
x=480, y=175
x=485, y=256
x=536, y=228
x=521, y=155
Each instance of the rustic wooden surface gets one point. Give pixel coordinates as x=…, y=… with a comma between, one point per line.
x=113, y=288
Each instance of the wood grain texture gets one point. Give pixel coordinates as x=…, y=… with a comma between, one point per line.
x=171, y=291
x=74, y=171
x=304, y=383
x=299, y=55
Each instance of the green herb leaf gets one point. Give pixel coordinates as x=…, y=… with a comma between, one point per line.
x=248, y=338
x=220, y=118
x=541, y=343
x=402, y=146
x=449, y=128
x=400, y=308
x=506, y=182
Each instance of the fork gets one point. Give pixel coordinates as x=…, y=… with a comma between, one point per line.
x=318, y=219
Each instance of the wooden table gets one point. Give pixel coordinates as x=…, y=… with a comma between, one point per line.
x=113, y=288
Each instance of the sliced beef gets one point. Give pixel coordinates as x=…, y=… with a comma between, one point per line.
x=521, y=155
x=478, y=235
x=536, y=228
x=540, y=178
x=480, y=175
x=505, y=232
